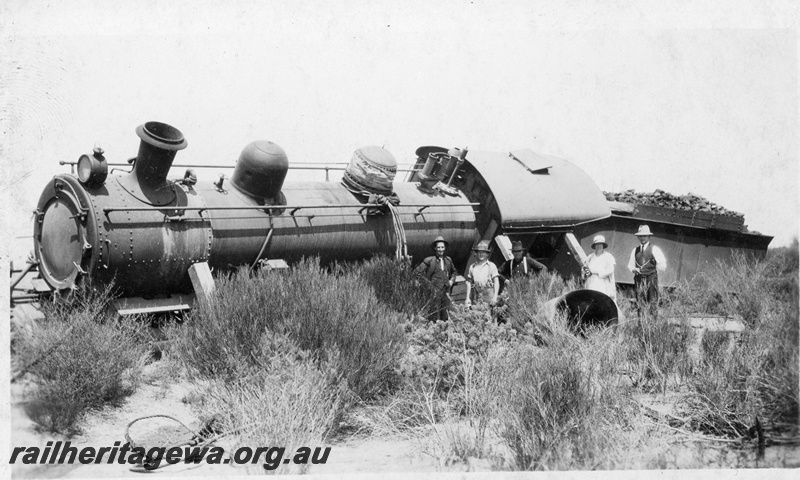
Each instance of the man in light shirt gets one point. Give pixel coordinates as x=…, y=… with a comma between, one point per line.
x=645, y=263
x=483, y=279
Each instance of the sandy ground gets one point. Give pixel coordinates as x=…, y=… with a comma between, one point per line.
x=357, y=455
x=159, y=396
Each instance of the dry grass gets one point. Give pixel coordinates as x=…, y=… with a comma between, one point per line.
x=333, y=315
x=397, y=286
x=757, y=377
x=293, y=402
x=526, y=298
x=493, y=394
x=566, y=403
x=286, y=354
x=80, y=358
x=560, y=407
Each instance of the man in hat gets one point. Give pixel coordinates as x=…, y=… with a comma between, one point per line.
x=520, y=265
x=482, y=277
x=645, y=263
x=441, y=272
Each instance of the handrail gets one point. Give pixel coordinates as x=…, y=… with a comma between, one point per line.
x=294, y=208
x=296, y=166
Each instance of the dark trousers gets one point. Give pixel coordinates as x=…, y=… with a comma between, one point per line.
x=441, y=303
x=646, y=294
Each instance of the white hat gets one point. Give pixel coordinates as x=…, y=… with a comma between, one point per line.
x=643, y=230
x=599, y=239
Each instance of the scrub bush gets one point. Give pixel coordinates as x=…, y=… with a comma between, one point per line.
x=80, y=359
x=438, y=350
x=334, y=316
x=284, y=354
x=657, y=351
x=222, y=339
x=526, y=297
x=397, y=287
x=294, y=401
x=757, y=375
x=340, y=313
x=560, y=406
x=758, y=378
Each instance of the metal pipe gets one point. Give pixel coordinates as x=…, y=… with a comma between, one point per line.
x=24, y=272
x=461, y=157
x=327, y=168
x=301, y=166
x=277, y=207
x=25, y=296
x=263, y=247
x=311, y=215
x=33, y=299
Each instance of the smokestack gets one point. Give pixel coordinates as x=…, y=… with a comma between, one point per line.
x=157, y=150
x=583, y=308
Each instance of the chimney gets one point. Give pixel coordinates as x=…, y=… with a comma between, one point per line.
x=157, y=150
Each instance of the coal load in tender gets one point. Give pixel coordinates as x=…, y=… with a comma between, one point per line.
x=660, y=198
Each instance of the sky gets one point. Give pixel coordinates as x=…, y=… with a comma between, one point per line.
x=696, y=97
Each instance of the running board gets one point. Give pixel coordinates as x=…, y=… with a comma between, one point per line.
x=140, y=305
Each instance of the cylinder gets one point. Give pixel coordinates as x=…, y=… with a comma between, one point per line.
x=427, y=169
x=450, y=164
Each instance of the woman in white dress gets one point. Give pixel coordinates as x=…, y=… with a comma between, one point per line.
x=598, y=269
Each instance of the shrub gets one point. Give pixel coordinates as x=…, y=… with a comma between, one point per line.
x=342, y=313
x=83, y=300
x=294, y=401
x=785, y=281
x=81, y=360
x=222, y=339
x=560, y=406
x=758, y=378
x=397, y=286
x=658, y=351
x=526, y=297
x=745, y=287
x=438, y=349
x=758, y=375
x=333, y=316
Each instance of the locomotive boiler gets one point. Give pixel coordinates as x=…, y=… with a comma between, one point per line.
x=143, y=231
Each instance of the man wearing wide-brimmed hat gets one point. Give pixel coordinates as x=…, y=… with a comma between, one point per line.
x=520, y=265
x=483, y=284
x=645, y=263
x=441, y=272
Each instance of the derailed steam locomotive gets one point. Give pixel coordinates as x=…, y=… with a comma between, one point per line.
x=144, y=231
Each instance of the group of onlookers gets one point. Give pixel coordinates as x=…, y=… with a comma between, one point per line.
x=484, y=278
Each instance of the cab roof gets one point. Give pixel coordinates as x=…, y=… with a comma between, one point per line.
x=539, y=192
